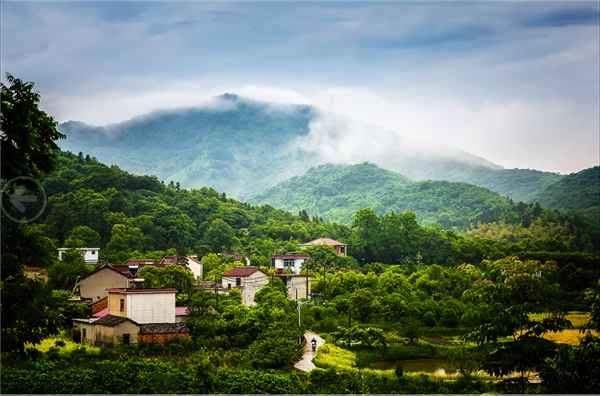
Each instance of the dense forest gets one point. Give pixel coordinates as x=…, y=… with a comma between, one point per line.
x=137, y=217
x=337, y=192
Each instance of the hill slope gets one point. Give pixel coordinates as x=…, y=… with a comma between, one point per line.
x=242, y=147
x=577, y=191
x=336, y=192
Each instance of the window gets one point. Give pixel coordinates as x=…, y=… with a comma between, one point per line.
x=238, y=281
x=229, y=285
x=272, y=263
x=122, y=304
x=342, y=249
x=93, y=252
x=288, y=262
x=125, y=338
x=84, y=335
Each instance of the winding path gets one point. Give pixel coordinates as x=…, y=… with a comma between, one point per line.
x=306, y=364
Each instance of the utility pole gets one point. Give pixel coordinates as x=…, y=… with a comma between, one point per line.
x=324, y=284
x=216, y=293
x=306, y=280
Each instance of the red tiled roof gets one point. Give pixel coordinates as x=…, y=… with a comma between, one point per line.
x=138, y=262
x=289, y=256
x=169, y=260
x=327, y=241
x=35, y=268
x=121, y=269
x=195, y=258
x=180, y=311
x=100, y=314
x=142, y=290
x=244, y=271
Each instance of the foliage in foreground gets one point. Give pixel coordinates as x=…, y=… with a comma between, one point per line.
x=164, y=377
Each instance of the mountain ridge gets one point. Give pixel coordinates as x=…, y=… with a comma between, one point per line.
x=242, y=147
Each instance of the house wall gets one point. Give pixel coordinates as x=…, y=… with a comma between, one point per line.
x=91, y=256
x=339, y=248
x=297, y=284
x=151, y=307
x=95, y=285
x=114, y=304
x=279, y=263
x=250, y=285
x=106, y=334
x=196, y=269
x=99, y=305
x=33, y=274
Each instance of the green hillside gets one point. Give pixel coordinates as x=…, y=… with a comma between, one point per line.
x=577, y=191
x=337, y=192
x=518, y=184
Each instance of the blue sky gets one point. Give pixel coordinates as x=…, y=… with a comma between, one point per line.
x=514, y=82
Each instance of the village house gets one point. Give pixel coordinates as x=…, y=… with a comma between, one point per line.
x=249, y=280
x=93, y=285
x=340, y=248
x=36, y=272
x=90, y=254
x=289, y=261
x=238, y=257
x=191, y=263
x=132, y=315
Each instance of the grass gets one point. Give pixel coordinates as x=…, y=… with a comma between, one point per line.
x=331, y=356
x=48, y=343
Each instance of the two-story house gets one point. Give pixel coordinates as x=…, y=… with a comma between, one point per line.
x=249, y=280
x=133, y=315
x=340, y=248
x=289, y=261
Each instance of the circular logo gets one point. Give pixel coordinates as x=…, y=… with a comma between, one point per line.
x=20, y=198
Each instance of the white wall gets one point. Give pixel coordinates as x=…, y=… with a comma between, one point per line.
x=151, y=307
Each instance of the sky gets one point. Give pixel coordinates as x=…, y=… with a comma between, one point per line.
x=516, y=83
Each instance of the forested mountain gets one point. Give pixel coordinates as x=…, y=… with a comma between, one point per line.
x=236, y=146
x=337, y=192
x=242, y=147
x=578, y=191
x=130, y=216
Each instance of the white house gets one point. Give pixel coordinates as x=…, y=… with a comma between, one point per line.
x=191, y=263
x=90, y=254
x=289, y=261
x=143, y=305
x=249, y=280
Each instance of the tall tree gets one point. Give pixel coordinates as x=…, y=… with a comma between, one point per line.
x=505, y=309
x=27, y=149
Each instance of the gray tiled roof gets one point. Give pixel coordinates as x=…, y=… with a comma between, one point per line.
x=163, y=328
x=112, y=320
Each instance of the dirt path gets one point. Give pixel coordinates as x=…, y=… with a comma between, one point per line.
x=306, y=364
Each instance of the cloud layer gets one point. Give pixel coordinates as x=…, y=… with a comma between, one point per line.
x=516, y=83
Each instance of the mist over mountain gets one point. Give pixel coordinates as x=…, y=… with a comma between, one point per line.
x=243, y=147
